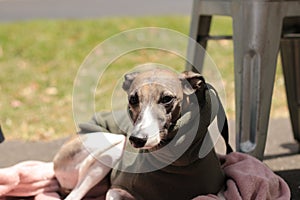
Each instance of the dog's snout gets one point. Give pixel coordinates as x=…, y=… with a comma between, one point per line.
x=138, y=142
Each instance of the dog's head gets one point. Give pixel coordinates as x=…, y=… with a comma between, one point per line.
x=155, y=102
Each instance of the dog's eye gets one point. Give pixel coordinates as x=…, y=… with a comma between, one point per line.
x=133, y=99
x=167, y=99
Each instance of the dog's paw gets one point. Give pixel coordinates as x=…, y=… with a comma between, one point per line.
x=118, y=194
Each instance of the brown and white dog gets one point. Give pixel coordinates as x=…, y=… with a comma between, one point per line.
x=157, y=99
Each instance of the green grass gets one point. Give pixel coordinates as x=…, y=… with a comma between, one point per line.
x=39, y=61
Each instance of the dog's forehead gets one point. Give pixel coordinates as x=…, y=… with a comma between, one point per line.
x=164, y=78
x=158, y=76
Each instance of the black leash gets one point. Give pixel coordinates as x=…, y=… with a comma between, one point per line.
x=1, y=135
x=223, y=128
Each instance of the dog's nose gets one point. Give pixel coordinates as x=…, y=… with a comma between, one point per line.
x=137, y=142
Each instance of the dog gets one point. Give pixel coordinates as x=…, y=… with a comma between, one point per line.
x=169, y=116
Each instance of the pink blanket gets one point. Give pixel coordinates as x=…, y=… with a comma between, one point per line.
x=247, y=178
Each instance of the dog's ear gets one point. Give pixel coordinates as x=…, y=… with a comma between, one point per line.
x=191, y=82
x=128, y=80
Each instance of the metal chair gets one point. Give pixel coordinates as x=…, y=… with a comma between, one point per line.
x=260, y=29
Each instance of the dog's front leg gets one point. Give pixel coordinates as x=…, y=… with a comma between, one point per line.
x=98, y=163
x=118, y=194
x=89, y=175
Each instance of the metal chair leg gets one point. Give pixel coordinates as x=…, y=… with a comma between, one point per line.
x=256, y=44
x=199, y=30
x=290, y=56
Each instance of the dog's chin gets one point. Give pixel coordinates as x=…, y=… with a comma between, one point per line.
x=162, y=143
x=153, y=144
x=146, y=147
